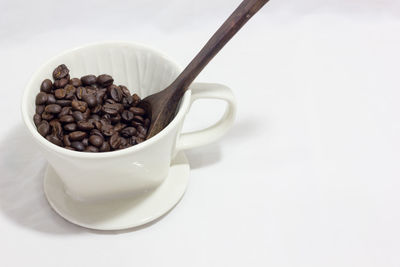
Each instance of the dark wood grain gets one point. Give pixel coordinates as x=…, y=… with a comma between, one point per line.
x=162, y=105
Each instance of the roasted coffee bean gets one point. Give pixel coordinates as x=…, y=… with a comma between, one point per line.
x=86, y=114
x=90, y=90
x=119, y=126
x=138, y=119
x=77, y=136
x=47, y=116
x=50, y=99
x=53, y=108
x=60, y=72
x=70, y=88
x=91, y=120
x=63, y=102
x=124, y=143
x=39, y=109
x=54, y=139
x=80, y=92
x=115, y=141
x=128, y=132
x=105, y=119
x=70, y=127
x=141, y=130
x=120, y=107
x=136, y=98
x=78, y=145
x=111, y=109
x=105, y=147
x=88, y=79
x=74, y=97
x=78, y=116
x=125, y=91
x=109, y=90
x=70, y=92
x=99, y=101
x=37, y=119
x=46, y=86
x=137, y=111
x=67, y=119
x=66, y=140
x=127, y=115
x=60, y=83
x=101, y=94
x=60, y=93
x=96, y=132
x=107, y=129
x=96, y=140
x=64, y=111
x=79, y=105
x=96, y=109
x=85, y=125
x=134, y=104
x=56, y=129
x=70, y=148
x=43, y=128
x=104, y=80
x=94, y=117
x=97, y=124
x=90, y=99
x=75, y=82
x=85, y=141
x=109, y=101
x=116, y=94
x=127, y=101
x=41, y=98
x=136, y=124
x=115, y=119
x=91, y=149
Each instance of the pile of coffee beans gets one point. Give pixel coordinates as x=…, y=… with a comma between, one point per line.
x=89, y=114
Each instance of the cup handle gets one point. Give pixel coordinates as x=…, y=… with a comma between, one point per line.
x=214, y=132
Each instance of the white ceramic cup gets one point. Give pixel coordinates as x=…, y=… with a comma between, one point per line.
x=141, y=168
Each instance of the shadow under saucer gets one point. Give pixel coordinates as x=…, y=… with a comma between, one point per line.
x=21, y=185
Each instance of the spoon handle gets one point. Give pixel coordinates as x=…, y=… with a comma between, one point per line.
x=230, y=27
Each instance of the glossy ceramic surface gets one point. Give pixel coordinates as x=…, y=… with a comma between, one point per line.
x=120, y=213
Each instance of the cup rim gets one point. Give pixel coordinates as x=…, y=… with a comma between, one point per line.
x=110, y=154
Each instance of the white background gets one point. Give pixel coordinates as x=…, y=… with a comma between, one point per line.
x=308, y=175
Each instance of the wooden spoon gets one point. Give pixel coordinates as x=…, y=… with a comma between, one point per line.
x=162, y=105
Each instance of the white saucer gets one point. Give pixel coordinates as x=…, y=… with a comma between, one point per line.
x=123, y=213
